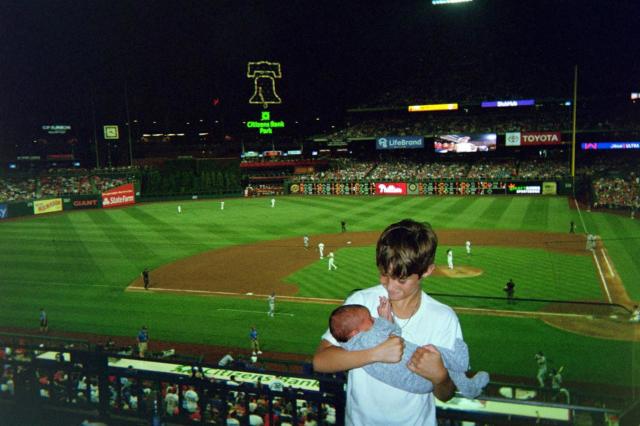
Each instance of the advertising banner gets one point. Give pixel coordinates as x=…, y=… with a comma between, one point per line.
x=81, y=202
x=47, y=206
x=610, y=145
x=549, y=188
x=120, y=196
x=523, y=188
x=391, y=188
x=400, y=142
x=541, y=138
x=512, y=139
x=4, y=211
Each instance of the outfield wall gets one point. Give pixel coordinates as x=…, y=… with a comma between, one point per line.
x=432, y=187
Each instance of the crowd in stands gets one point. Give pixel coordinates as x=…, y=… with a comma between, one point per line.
x=617, y=192
x=240, y=400
x=414, y=170
x=56, y=185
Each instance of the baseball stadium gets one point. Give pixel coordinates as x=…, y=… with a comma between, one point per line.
x=184, y=272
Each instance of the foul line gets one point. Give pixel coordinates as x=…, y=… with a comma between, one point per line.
x=604, y=280
x=253, y=312
x=521, y=313
x=228, y=293
x=580, y=214
x=606, y=259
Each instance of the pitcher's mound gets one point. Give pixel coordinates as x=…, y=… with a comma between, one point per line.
x=458, y=271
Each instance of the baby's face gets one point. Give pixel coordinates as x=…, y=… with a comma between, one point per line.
x=366, y=321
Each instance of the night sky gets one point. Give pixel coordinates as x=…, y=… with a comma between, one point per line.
x=176, y=56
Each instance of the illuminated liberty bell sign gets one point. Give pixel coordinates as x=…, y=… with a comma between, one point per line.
x=264, y=74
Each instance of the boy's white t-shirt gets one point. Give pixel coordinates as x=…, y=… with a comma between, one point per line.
x=371, y=402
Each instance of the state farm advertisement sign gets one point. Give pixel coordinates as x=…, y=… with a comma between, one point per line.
x=540, y=138
x=119, y=196
x=391, y=188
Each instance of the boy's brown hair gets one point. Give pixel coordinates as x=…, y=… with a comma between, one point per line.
x=405, y=248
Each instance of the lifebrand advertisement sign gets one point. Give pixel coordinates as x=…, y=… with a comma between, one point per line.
x=120, y=196
x=400, y=142
x=47, y=206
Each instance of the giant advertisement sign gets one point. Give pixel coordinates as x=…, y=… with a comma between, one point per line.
x=120, y=196
x=391, y=188
x=400, y=142
x=81, y=202
x=47, y=206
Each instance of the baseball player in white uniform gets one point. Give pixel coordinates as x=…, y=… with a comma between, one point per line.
x=221, y=205
x=450, y=258
x=179, y=208
x=332, y=261
x=272, y=304
x=273, y=202
x=321, y=250
x=467, y=245
x=305, y=240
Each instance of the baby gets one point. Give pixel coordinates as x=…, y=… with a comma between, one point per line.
x=355, y=329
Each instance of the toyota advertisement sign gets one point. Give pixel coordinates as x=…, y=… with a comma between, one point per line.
x=532, y=138
x=400, y=142
x=391, y=188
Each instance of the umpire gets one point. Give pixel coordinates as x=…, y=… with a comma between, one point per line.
x=510, y=289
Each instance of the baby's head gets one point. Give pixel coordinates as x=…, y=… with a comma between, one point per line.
x=349, y=320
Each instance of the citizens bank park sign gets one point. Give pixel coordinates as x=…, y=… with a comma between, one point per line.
x=532, y=138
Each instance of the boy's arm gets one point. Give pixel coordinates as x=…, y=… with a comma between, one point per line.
x=331, y=359
x=427, y=362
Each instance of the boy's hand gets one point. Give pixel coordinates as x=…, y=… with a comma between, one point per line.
x=427, y=362
x=384, y=309
x=389, y=351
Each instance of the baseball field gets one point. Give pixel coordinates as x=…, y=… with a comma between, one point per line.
x=211, y=270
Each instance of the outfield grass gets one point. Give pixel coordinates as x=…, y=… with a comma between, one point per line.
x=76, y=265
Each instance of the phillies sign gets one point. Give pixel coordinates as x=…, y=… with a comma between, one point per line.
x=540, y=138
x=395, y=188
x=119, y=196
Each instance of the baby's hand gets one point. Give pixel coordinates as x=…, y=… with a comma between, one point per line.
x=384, y=309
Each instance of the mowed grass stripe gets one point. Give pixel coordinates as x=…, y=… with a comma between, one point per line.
x=497, y=209
x=121, y=237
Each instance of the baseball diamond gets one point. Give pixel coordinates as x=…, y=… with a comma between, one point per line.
x=210, y=271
